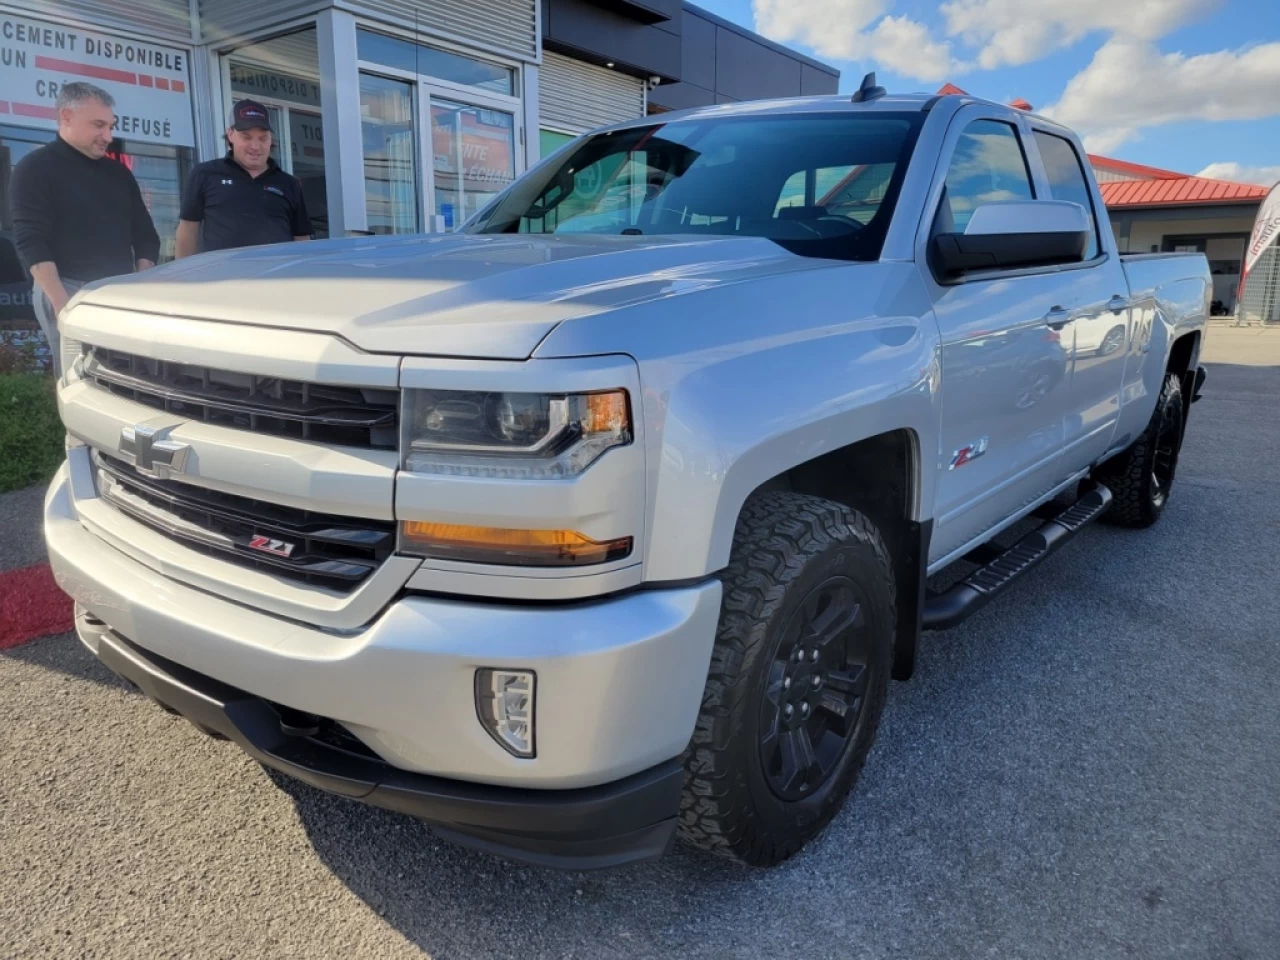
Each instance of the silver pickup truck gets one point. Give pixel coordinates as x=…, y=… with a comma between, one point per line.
x=609, y=518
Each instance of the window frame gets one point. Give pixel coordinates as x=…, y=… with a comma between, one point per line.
x=1022, y=149
x=1024, y=127
x=1039, y=130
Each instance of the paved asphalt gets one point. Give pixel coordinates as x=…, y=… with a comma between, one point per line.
x=1089, y=768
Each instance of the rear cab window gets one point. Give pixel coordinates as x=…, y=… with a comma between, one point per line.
x=1067, y=180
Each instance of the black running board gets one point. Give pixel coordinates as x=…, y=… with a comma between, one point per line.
x=951, y=606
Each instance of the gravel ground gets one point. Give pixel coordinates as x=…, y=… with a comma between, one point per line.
x=21, y=543
x=1087, y=768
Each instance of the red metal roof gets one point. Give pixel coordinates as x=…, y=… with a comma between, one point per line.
x=1177, y=192
x=1135, y=169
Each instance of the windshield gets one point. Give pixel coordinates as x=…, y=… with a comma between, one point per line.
x=821, y=185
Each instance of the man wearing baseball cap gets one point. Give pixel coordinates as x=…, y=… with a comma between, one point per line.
x=243, y=199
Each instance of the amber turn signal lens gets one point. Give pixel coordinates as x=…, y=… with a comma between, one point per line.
x=607, y=413
x=522, y=548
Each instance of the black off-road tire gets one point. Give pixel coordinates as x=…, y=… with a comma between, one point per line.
x=788, y=549
x=1141, y=478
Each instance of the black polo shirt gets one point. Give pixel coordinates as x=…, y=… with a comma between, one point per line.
x=239, y=210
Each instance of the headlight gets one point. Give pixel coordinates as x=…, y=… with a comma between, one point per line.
x=534, y=436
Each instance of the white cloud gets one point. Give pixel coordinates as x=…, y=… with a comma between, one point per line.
x=1130, y=85
x=1012, y=32
x=833, y=28
x=842, y=30
x=1004, y=32
x=904, y=46
x=1240, y=173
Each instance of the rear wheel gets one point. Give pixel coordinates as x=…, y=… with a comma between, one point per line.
x=797, y=680
x=1141, y=478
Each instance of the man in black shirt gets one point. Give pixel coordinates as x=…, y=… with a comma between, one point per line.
x=243, y=199
x=78, y=215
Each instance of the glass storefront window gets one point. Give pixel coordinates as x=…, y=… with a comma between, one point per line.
x=283, y=74
x=473, y=157
x=160, y=171
x=16, y=309
x=419, y=59
x=390, y=163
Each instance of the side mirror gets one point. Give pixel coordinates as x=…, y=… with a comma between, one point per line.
x=1014, y=233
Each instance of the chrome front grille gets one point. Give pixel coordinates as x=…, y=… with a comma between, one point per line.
x=333, y=552
x=345, y=416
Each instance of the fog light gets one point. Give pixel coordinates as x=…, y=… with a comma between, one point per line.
x=504, y=703
x=71, y=360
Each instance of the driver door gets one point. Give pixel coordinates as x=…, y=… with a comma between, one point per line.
x=1005, y=365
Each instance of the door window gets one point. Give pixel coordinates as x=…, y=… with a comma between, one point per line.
x=390, y=165
x=473, y=157
x=1067, y=180
x=988, y=166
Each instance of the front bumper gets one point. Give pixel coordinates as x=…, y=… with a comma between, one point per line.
x=619, y=680
x=588, y=828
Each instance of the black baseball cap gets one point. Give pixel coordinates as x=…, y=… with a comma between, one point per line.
x=250, y=115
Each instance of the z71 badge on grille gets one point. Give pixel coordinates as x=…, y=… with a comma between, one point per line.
x=267, y=545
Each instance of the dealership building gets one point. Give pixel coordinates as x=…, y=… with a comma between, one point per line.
x=1158, y=211
x=398, y=116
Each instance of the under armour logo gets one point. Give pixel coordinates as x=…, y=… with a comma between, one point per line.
x=227, y=183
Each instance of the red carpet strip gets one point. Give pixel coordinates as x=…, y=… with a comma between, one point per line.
x=31, y=606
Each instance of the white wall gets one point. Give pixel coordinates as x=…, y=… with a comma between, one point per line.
x=1144, y=234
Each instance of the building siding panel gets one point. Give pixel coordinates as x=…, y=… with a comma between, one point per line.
x=504, y=26
x=575, y=97
x=159, y=19
x=507, y=26
x=220, y=19
x=751, y=71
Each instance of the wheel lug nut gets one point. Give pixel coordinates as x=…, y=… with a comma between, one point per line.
x=804, y=709
x=813, y=655
x=787, y=711
x=786, y=683
x=817, y=682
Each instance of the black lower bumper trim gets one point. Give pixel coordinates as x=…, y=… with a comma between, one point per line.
x=580, y=829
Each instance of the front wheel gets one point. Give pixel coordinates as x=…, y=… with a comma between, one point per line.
x=1141, y=478
x=797, y=680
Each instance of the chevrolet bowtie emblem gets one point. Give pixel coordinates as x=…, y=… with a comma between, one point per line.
x=148, y=447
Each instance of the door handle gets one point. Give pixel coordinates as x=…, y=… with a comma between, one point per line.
x=1056, y=318
x=1118, y=303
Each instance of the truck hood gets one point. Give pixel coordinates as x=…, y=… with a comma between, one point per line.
x=490, y=297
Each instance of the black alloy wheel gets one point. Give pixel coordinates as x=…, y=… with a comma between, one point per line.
x=815, y=690
x=1164, y=461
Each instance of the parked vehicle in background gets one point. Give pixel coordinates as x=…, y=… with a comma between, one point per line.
x=610, y=517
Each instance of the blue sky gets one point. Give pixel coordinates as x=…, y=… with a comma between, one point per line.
x=1183, y=84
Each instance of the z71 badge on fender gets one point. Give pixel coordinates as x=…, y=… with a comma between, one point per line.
x=267, y=545
x=968, y=454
